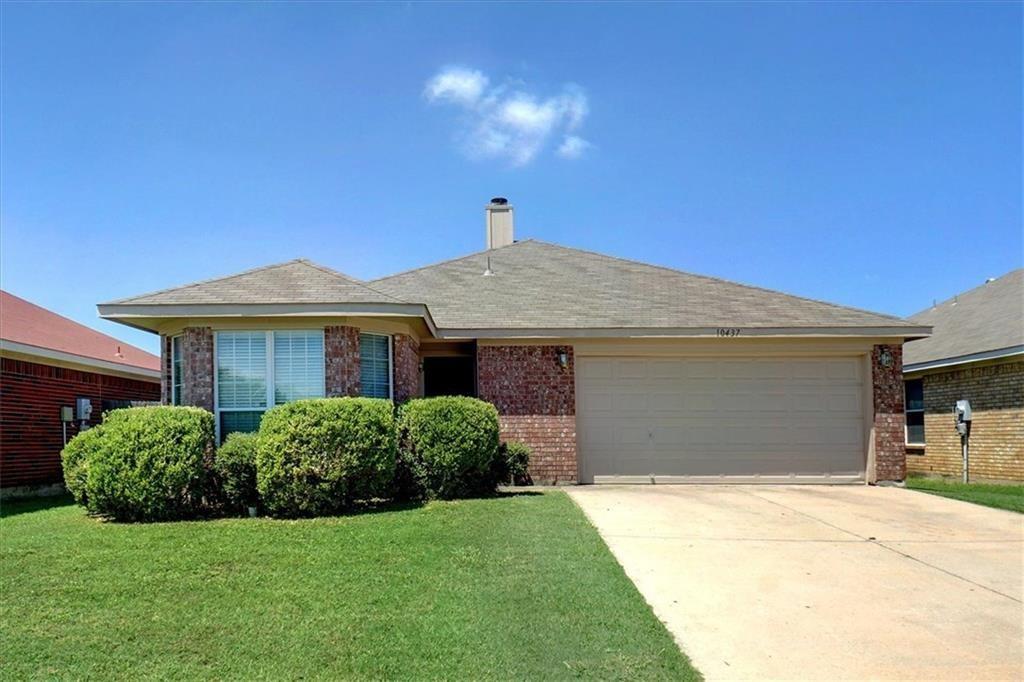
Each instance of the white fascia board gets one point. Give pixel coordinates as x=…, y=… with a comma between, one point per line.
x=686, y=332
x=71, y=358
x=964, y=359
x=126, y=312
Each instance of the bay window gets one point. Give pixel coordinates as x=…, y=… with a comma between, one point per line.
x=176, y=371
x=256, y=370
x=375, y=365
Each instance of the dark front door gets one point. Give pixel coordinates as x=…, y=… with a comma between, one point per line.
x=449, y=376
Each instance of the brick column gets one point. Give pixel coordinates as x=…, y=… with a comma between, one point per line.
x=536, y=401
x=341, y=361
x=406, y=368
x=165, y=370
x=197, y=367
x=889, y=417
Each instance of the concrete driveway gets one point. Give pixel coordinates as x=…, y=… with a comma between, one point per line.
x=817, y=582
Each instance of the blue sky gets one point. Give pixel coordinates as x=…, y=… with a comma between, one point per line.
x=865, y=154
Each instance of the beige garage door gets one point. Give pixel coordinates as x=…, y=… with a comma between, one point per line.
x=720, y=420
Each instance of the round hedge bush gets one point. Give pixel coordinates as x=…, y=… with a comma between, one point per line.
x=143, y=463
x=318, y=456
x=74, y=459
x=514, y=462
x=235, y=464
x=452, y=443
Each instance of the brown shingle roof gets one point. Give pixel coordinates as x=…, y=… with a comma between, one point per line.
x=535, y=286
x=541, y=285
x=296, y=281
x=986, y=318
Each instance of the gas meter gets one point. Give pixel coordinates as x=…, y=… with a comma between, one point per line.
x=962, y=418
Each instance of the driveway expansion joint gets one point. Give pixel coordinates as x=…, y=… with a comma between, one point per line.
x=882, y=544
x=821, y=607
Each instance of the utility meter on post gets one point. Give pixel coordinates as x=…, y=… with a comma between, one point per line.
x=962, y=416
x=962, y=412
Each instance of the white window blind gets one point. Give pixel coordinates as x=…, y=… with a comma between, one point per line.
x=375, y=365
x=298, y=365
x=241, y=370
x=255, y=369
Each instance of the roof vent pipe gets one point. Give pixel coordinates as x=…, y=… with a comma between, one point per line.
x=499, y=223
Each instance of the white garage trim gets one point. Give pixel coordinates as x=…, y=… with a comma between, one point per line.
x=727, y=419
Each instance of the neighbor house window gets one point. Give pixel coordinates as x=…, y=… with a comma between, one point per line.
x=260, y=369
x=176, y=371
x=375, y=365
x=914, y=397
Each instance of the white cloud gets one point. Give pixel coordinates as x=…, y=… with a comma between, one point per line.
x=573, y=147
x=513, y=124
x=456, y=84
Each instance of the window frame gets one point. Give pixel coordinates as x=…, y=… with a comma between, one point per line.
x=177, y=382
x=391, y=363
x=907, y=411
x=269, y=380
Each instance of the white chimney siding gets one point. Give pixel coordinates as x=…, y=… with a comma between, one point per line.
x=499, y=223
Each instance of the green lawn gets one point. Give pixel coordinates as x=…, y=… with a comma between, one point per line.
x=514, y=587
x=999, y=496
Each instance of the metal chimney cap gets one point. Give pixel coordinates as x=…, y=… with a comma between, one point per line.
x=499, y=201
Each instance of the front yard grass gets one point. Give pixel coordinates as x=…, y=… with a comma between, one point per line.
x=512, y=587
x=1009, y=497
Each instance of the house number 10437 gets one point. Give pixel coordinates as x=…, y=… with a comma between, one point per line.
x=728, y=331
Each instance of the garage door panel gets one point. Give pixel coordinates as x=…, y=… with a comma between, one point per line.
x=731, y=419
x=630, y=369
x=667, y=369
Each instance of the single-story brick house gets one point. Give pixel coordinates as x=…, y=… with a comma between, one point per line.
x=976, y=352
x=611, y=370
x=48, y=362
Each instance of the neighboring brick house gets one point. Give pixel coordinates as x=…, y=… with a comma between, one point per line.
x=976, y=352
x=611, y=370
x=48, y=362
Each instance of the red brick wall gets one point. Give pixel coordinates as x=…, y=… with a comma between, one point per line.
x=341, y=365
x=31, y=396
x=406, y=351
x=341, y=359
x=197, y=367
x=889, y=417
x=536, y=401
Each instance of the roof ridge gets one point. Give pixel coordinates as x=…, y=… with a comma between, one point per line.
x=348, y=278
x=719, y=279
x=452, y=260
x=957, y=296
x=207, y=281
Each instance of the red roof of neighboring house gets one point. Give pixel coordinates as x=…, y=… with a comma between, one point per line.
x=26, y=323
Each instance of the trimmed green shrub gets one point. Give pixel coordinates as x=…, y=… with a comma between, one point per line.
x=318, y=456
x=513, y=463
x=146, y=463
x=409, y=482
x=235, y=464
x=452, y=444
x=74, y=459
